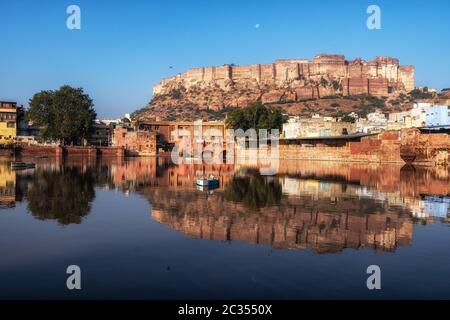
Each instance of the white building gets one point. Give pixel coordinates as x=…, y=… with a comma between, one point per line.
x=398, y=117
x=377, y=117
x=437, y=115
x=291, y=129
x=418, y=114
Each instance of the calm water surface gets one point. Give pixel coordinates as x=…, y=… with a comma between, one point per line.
x=139, y=228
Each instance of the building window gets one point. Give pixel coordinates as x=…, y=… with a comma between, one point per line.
x=11, y=125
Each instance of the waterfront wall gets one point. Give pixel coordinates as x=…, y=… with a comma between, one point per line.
x=406, y=146
x=38, y=150
x=382, y=148
x=45, y=151
x=425, y=149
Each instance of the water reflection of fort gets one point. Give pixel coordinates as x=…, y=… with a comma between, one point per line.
x=326, y=207
x=303, y=223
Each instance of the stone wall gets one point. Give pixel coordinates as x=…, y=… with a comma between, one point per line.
x=425, y=149
x=39, y=150
x=382, y=148
x=142, y=143
x=46, y=151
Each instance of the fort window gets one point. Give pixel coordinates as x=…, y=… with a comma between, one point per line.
x=390, y=89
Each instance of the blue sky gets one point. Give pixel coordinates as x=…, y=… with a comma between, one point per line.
x=125, y=47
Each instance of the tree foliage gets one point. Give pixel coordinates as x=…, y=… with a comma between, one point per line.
x=66, y=114
x=255, y=116
x=348, y=118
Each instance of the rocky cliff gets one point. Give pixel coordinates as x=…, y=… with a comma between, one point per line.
x=285, y=81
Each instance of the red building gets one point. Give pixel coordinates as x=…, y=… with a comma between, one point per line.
x=139, y=143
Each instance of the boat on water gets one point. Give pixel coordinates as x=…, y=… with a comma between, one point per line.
x=206, y=189
x=209, y=182
x=22, y=165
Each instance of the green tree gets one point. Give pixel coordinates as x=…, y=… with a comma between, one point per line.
x=66, y=114
x=348, y=118
x=256, y=116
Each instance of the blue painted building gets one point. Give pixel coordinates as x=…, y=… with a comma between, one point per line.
x=437, y=115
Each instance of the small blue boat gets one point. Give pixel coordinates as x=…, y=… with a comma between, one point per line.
x=210, y=182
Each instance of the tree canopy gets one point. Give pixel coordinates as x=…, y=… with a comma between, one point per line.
x=256, y=116
x=66, y=114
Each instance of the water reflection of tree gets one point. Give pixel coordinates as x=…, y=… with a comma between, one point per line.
x=65, y=196
x=253, y=191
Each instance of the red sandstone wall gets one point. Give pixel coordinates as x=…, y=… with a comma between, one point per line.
x=379, y=149
x=135, y=142
x=111, y=151
x=81, y=151
x=425, y=149
x=39, y=150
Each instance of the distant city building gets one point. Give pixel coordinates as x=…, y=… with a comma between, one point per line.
x=8, y=126
x=374, y=123
x=137, y=143
x=102, y=131
x=437, y=115
x=418, y=114
x=399, y=120
x=316, y=126
x=398, y=117
x=291, y=129
x=152, y=137
x=377, y=117
x=428, y=89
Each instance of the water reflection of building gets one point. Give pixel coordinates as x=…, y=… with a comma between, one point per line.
x=326, y=207
x=423, y=190
x=299, y=223
x=158, y=172
x=7, y=187
x=431, y=206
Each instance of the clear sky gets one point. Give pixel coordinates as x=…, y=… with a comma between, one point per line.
x=125, y=47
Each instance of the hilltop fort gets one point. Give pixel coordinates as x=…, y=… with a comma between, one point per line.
x=284, y=81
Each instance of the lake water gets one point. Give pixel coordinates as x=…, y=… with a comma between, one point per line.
x=139, y=228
